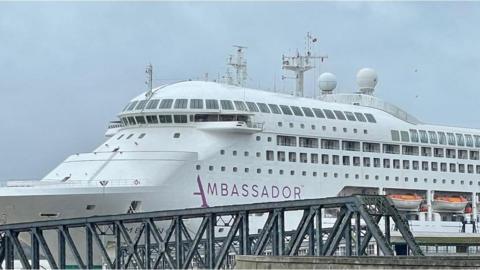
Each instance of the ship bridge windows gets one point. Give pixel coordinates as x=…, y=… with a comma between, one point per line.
x=274, y=108
x=318, y=113
x=240, y=105
x=423, y=136
x=308, y=142
x=131, y=120
x=395, y=135
x=350, y=116
x=371, y=147
x=263, y=107
x=166, y=104
x=207, y=117
x=339, y=115
x=152, y=104
x=360, y=117
x=370, y=118
x=196, y=104
x=329, y=114
x=132, y=105
x=460, y=139
x=296, y=110
x=391, y=148
x=140, y=120
x=330, y=144
x=141, y=105
x=451, y=139
x=180, y=118
x=211, y=104
x=181, y=103
x=350, y=146
x=404, y=136
x=414, y=135
x=286, y=110
x=165, y=119
x=308, y=112
x=286, y=140
x=252, y=107
x=226, y=105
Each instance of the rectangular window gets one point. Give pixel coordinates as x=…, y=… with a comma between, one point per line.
x=296, y=110
x=366, y=162
x=335, y=160
x=470, y=168
x=292, y=157
x=329, y=114
x=132, y=105
x=451, y=139
x=433, y=137
x=196, y=104
x=263, y=107
x=141, y=105
x=461, y=168
x=240, y=105
x=226, y=105
x=314, y=158
x=286, y=110
x=319, y=113
x=406, y=164
x=324, y=159
x=180, y=118
x=469, y=140
x=395, y=135
x=166, y=103
x=442, y=138
x=443, y=167
x=396, y=164
x=346, y=160
x=152, y=104
x=140, y=120
x=330, y=144
x=370, y=118
x=308, y=142
x=274, y=108
x=426, y=151
x=453, y=167
x=415, y=164
x=339, y=115
x=281, y=156
x=180, y=103
x=410, y=150
x=303, y=158
x=477, y=140
x=350, y=146
x=423, y=136
x=451, y=153
x=425, y=165
x=165, y=119
x=356, y=161
x=438, y=152
x=286, y=140
x=152, y=119
x=307, y=111
x=386, y=163
x=350, y=116
x=252, y=106
x=474, y=155
x=371, y=147
x=391, y=149
x=462, y=154
x=414, y=135
x=404, y=136
x=212, y=104
x=131, y=120
x=460, y=139
x=269, y=155
x=360, y=117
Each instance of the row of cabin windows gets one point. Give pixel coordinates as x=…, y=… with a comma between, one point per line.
x=436, y=137
x=335, y=175
x=324, y=128
x=309, y=142
x=313, y=158
x=213, y=104
x=180, y=119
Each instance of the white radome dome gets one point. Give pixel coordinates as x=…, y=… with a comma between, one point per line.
x=327, y=81
x=367, y=78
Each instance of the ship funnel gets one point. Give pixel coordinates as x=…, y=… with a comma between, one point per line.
x=366, y=80
x=327, y=83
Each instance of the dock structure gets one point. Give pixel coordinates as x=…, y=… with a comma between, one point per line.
x=188, y=238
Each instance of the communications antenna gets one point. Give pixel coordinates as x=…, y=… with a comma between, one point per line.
x=299, y=64
x=149, y=81
x=239, y=64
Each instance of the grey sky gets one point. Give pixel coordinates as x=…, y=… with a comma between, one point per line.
x=66, y=69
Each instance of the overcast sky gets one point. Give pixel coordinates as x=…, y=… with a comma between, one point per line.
x=67, y=69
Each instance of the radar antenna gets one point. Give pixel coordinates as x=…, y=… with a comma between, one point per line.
x=149, y=81
x=299, y=64
x=240, y=65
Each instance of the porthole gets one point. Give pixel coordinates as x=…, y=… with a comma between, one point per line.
x=387, y=178
x=245, y=154
x=425, y=180
x=290, y=125
x=313, y=127
x=314, y=174
x=210, y=168
x=235, y=169
x=259, y=170
x=292, y=172
x=345, y=130
x=176, y=135
x=444, y=181
x=355, y=130
x=304, y=173
x=258, y=154
x=234, y=153
x=198, y=167
x=258, y=138
x=346, y=175
x=270, y=171
x=324, y=128
x=247, y=170
x=269, y=139
x=223, y=168
x=279, y=124
x=396, y=178
x=415, y=179
x=280, y=172
x=470, y=183
x=222, y=152
x=335, y=175
x=367, y=177
x=334, y=129
x=365, y=131
x=452, y=182
x=357, y=176
x=325, y=174
x=302, y=126
x=376, y=177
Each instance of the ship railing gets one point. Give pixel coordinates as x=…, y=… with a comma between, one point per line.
x=76, y=183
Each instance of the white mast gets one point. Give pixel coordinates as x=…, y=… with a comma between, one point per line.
x=299, y=64
x=240, y=65
x=149, y=81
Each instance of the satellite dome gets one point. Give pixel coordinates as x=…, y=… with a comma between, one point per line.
x=366, y=80
x=327, y=82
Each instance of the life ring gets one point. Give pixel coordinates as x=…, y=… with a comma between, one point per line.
x=136, y=182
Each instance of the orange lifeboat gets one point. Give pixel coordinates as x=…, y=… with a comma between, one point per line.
x=449, y=204
x=406, y=202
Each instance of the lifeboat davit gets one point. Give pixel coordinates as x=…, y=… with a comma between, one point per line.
x=449, y=204
x=406, y=202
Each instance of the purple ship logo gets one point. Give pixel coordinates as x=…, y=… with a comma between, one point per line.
x=201, y=192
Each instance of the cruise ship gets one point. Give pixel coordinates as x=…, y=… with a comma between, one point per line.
x=202, y=143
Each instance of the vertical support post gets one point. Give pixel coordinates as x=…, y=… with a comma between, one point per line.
x=148, y=247
x=311, y=238
x=387, y=229
x=280, y=231
x=274, y=234
x=35, y=247
x=244, y=235
x=62, y=258
x=319, y=235
x=210, y=248
x=89, y=247
x=178, y=242
x=474, y=208
x=9, y=254
x=430, y=196
x=118, y=247
x=358, y=238
x=348, y=238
